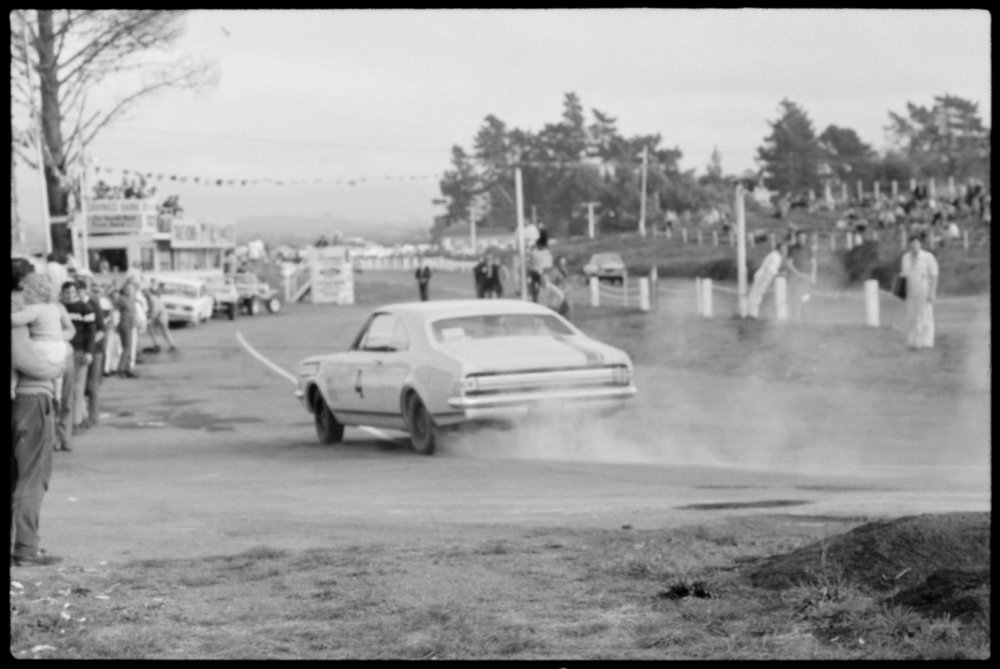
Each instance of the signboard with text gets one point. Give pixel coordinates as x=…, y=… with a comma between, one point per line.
x=332, y=275
x=186, y=233
x=121, y=216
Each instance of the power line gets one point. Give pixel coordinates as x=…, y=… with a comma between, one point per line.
x=283, y=141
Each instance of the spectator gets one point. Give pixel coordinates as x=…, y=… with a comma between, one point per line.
x=769, y=268
x=49, y=326
x=72, y=409
x=158, y=321
x=423, y=276
x=495, y=274
x=479, y=276
x=91, y=293
x=33, y=435
x=112, y=319
x=921, y=271
x=801, y=275
x=56, y=269
x=127, y=331
x=539, y=262
x=551, y=296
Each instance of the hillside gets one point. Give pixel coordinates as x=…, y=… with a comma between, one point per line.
x=276, y=230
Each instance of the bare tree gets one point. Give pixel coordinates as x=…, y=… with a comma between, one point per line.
x=62, y=60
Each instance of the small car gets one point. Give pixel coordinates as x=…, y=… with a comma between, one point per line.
x=186, y=300
x=255, y=293
x=227, y=298
x=606, y=267
x=426, y=367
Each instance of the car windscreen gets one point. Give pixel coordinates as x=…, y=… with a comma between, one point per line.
x=497, y=325
x=607, y=258
x=180, y=290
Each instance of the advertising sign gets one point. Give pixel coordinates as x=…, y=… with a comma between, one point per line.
x=332, y=275
x=187, y=233
x=121, y=216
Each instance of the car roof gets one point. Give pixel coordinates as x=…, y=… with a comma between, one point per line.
x=433, y=310
x=607, y=254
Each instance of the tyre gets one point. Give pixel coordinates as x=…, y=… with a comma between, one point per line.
x=424, y=434
x=253, y=306
x=273, y=305
x=328, y=428
x=231, y=311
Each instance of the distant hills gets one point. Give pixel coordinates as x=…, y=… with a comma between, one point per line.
x=294, y=230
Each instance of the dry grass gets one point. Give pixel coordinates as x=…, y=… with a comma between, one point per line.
x=535, y=594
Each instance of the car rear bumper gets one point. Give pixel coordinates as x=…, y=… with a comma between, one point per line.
x=513, y=405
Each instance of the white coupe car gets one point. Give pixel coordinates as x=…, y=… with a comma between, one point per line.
x=186, y=300
x=426, y=366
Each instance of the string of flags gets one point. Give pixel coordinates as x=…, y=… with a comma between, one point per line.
x=104, y=173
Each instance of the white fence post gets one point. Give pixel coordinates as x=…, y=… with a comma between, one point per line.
x=850, y=241
x=781, y=297
x=871, y=303
x=595, y=294
x=684, y=235
x=697, y=295
x=643, y=294
x=706, y=298
x=654, y=287
x=965, y=240
x=698, y=236
x=715, y=237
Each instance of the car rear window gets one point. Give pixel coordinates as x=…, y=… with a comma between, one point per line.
x=497, y=325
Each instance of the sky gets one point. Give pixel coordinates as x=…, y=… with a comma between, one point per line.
x=318, y=99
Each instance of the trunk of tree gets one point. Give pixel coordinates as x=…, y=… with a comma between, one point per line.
x=53, y=154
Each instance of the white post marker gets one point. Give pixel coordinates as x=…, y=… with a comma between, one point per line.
x=781, y=297
x=697, y=296
x=850, y=240
x=643, y=294
x=965, y=240
x=595, y=292
x=642, y=203
x=698, y=236
x=741, y=252
x=871, y=303
x=931, y=188
x=706, y=298
x=654, y=286
x=715, y=237
x=684, y=235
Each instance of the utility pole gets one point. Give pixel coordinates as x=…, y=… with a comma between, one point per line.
x=520, y=232
x=741, y=251
x=590, y=217
x=534, y=216
x=642, y=204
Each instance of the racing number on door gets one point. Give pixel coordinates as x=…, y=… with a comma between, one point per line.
x=357, y=385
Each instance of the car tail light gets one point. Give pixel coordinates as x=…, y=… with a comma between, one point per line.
x=622, y=376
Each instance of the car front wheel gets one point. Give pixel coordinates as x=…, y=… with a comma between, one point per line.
x=253, y=306
x=328, y=428
x=273, y=305
x=424, y=434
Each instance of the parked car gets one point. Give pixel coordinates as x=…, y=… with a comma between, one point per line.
x=255, y=293
x=186, y=300
x=607, y=267
x=224, y=293
x=428, y=366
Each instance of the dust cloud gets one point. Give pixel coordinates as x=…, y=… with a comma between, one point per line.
x=802, y=400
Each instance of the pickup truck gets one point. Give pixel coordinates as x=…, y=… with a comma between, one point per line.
x=227, y=298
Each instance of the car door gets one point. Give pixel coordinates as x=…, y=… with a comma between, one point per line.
x=391, y=360
x=351, y=377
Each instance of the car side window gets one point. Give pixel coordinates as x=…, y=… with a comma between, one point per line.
x=386, y=332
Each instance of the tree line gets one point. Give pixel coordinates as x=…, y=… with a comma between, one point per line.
x=574, y=161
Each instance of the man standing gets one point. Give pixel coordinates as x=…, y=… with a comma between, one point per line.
x=479, y=275
x=801, y=275
x=127, y=330
x=769, y=268
x=32, y=439
x=423, y=275
x=921, y=271
x=73, y=407
x=95, y=373
x=158, y=320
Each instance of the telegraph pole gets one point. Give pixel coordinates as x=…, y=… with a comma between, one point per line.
x=642, y=204
x=520, y=232
x=472, y=228
x=590, y=217
x=39, y=136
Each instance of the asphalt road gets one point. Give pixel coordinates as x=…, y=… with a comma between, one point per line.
x=209, y=453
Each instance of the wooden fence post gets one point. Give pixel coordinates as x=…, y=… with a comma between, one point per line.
x=781, y=297
x=643, y=294
x=871, y=303
x=706, y=298
x=595, y=293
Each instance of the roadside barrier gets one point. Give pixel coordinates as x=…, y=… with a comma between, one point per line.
x=623, y=294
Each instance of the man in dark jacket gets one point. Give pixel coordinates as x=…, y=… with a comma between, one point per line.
x=91, y=293
x=423, y=275
x=72, y=403
x=479, y=273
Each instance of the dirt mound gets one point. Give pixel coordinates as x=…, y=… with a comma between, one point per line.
x=946, y=554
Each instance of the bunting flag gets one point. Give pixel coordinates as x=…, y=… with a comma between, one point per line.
x=112, y=175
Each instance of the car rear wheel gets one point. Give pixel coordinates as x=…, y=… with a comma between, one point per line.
x=253, y=306
x=328, y=428
x=231, y=311
x=424, y=434
x=273, y=305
